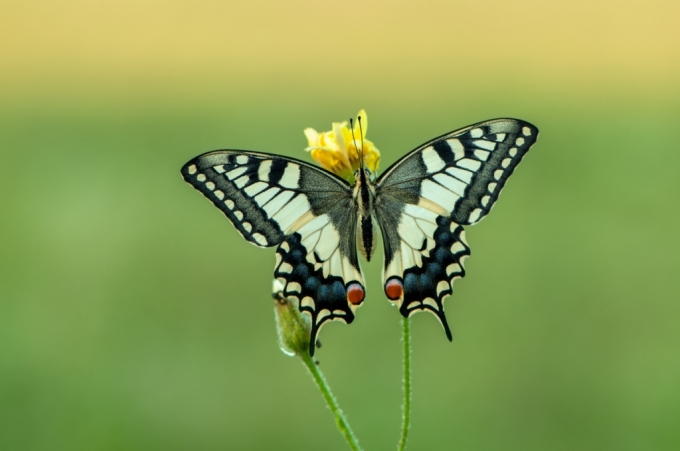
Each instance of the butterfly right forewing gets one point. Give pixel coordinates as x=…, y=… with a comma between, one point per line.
x=461, y=173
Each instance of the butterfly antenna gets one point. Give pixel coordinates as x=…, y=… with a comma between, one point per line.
x=362, y=141
x=360, y=155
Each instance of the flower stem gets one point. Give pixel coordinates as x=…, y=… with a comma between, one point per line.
x=340, y=420
x=406, y=407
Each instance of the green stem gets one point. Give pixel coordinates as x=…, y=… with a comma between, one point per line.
x=340, y=420
x=406, y=407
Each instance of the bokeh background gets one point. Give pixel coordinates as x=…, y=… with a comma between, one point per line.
x=133, y=316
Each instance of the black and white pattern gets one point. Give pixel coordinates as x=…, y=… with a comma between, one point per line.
x=420, y=205
x=430, y=193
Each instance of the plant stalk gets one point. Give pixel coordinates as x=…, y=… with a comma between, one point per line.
x=406, y=406
x=340, y=420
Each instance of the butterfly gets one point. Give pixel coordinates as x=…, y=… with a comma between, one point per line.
x=320, y=222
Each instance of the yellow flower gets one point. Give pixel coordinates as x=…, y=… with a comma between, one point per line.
x=336, y=150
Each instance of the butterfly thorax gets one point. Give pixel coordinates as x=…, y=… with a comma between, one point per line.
x=364, y=197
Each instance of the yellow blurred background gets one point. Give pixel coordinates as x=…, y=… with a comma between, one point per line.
x=133, y=316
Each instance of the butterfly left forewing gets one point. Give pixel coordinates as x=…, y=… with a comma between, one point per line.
x=265, y=196
x=423, y=200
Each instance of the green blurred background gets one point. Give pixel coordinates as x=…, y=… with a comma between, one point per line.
x=133, y=316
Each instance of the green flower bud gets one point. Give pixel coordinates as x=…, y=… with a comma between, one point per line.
x=293, y=327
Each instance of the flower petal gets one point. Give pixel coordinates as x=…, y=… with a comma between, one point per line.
x=339, y=129
x=312, y=137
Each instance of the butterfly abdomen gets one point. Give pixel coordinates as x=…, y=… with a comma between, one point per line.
x=367, y=233
x=364, y=199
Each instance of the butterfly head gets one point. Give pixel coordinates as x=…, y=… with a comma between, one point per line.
x=368, y=176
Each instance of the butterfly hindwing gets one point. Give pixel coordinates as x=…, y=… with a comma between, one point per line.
x=424, y=199
x=423, y=256
x=318, y=267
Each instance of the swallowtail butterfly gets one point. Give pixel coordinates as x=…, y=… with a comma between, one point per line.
x=319, y=221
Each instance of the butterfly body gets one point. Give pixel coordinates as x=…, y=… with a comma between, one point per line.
x=319, y=221
x=364, y=198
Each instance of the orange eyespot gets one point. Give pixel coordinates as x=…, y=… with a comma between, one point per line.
x=355, y=294
x=394, y=289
